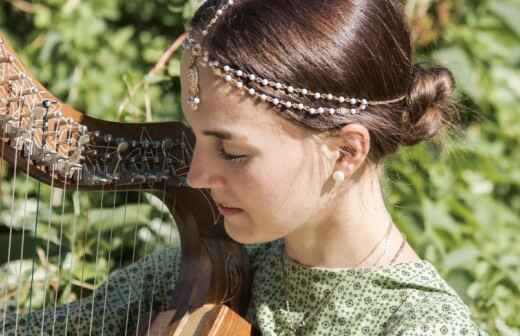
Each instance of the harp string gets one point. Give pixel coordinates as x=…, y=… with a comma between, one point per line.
x=129, y=299
x=77, y=211
x=19, y=281
x=60, y=241
x=98, y=241
x=110, y=237
x=11, y=223
x=163, y=214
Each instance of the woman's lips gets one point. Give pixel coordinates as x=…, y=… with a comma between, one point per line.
x=228, y=211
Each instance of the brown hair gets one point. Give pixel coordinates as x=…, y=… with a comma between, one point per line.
x=344, y=47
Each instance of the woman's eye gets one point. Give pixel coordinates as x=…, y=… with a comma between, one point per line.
x=233, y=157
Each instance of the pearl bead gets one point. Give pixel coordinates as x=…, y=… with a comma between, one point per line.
x=231, y=2
x=288, y=104
x=227, y=68
x=321, y=110
x=330, y=96
x=353, y=101
x=278, y=86
x=339, y=176
x=252, y=77
x=276, y=101
x=263, y=97
x=252, y=91
x=332, y=111
x=300, y=106
x=305, y=91
x=239, y=73
x=219, y=12
x=196, y=100
x=290, y=89
x=353, y=111
x=317, y=95
x=312, y=110
x=228, y=78
x=265, y=82
x=341, y=99
x=240, y=84
x=364, y=102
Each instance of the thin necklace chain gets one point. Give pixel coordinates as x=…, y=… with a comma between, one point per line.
x=329, y=292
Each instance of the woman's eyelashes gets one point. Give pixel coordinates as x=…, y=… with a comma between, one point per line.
x=232, y=157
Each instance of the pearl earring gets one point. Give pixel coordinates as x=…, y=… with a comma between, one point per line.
x=339, y=176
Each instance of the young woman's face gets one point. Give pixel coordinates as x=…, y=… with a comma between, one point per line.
x=268, y=167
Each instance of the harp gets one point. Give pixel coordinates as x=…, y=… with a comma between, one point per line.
x=65, y=150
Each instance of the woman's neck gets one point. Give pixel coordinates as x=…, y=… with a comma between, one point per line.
x=345, y=234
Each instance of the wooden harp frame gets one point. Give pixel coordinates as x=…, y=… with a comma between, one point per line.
x=56, y=144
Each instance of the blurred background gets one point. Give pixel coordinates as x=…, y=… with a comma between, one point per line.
x=459, y=203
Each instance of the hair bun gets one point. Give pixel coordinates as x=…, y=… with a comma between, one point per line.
x=429, y=103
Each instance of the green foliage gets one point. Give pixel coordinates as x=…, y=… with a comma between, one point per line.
x=457, y=201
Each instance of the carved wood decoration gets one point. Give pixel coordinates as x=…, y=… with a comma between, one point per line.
x=57, y=145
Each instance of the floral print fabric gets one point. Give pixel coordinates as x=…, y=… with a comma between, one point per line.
x=407, y=299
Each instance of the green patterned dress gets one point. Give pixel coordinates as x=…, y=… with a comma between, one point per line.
x=408, y=299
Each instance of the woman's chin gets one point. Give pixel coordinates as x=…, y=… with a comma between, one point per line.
x=238, y=233
x=244, y=234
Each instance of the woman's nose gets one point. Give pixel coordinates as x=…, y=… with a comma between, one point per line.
x=203, y=174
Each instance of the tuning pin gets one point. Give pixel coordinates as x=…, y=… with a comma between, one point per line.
x=83, y=140
x=48, y=103
x=122, y=147
x=30, y=91
x=20, y=76
x=138, y=179
x=7, y=59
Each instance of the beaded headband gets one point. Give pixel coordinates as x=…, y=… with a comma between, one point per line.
x=236, y=77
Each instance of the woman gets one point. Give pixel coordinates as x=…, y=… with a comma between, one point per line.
x=295, y=105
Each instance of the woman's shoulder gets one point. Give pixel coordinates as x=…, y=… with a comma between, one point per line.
x=430, y=306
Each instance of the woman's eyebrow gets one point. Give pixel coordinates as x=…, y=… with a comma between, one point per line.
x=224, y=135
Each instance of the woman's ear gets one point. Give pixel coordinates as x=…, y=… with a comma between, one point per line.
x=354, y=146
